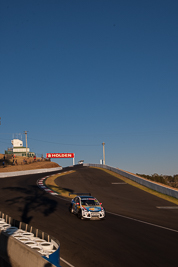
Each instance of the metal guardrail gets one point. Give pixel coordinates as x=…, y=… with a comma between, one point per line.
x=154, y=186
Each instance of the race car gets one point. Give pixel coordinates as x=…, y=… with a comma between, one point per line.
x=87, y=207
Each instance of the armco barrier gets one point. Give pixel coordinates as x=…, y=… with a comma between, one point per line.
x=18, y=173
x=154, y=186
x=16, y=254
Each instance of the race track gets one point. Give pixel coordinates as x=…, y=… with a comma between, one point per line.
x=135, y=232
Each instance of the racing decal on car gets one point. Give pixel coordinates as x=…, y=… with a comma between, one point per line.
x=87, y=207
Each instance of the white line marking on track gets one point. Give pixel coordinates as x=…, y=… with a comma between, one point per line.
x=168, y=207
x=66, y=262
x=55, y=194
x=118, y=183
x=152, y=224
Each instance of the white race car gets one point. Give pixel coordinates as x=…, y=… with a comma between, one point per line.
x=87, y=207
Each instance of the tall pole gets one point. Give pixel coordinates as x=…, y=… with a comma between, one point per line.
x=103, y=153
x=26, y=141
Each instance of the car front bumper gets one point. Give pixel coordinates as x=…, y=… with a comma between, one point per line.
x=93, y=215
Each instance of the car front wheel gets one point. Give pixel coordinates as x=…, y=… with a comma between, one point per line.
x=80, y=214
x=71, y=209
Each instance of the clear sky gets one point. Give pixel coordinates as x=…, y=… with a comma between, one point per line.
x=76, y=73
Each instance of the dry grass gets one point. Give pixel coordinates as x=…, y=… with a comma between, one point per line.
x=30, y=165
x=50, y=183
x=148, y=190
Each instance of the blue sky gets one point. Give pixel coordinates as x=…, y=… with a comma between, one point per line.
x=77, y=73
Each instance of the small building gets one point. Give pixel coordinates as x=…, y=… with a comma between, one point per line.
x=18, y=149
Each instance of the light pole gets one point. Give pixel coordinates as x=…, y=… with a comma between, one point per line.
x=26, y=141
x=103, y=153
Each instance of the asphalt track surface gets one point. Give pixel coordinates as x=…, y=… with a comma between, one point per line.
x=134, y=233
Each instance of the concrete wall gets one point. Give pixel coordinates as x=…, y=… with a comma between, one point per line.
x=14, y=253
x=17, y=254
x=18, y=173
x=159, y=188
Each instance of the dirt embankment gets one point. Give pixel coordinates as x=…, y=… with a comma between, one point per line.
x=24, y=163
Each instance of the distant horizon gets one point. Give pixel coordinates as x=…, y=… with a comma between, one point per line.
x=70, y=162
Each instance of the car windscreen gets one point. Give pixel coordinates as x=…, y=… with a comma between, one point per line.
x=90, y=202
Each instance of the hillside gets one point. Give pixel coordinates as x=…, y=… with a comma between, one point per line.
x=23, y=163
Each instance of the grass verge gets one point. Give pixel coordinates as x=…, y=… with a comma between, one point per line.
x=146, y=189
x=50, y=183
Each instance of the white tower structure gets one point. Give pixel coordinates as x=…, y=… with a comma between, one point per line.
x=17, y=143
x=18, y=147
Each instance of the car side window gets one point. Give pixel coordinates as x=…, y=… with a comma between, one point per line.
x=76, y=200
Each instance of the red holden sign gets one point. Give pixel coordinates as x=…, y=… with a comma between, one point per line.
x=60, y=155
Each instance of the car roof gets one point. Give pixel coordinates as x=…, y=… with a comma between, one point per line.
x=86, y=197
